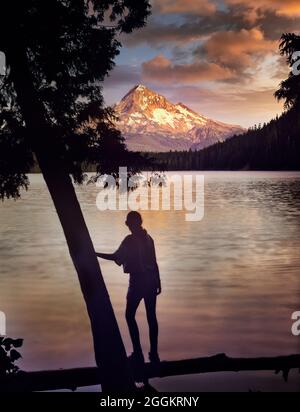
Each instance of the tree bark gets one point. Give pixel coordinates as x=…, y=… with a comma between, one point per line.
x=109, y=349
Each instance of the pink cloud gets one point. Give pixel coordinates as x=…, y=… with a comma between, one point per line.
x=161, y=69
x=238, y=50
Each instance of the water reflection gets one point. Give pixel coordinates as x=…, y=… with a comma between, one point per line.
x=230, y=282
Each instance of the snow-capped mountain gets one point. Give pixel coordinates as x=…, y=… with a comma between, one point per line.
x=149, y=122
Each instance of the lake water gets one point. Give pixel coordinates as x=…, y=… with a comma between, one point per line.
x=230, y=281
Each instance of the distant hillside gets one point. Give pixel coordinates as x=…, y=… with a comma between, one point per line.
x=275, y=146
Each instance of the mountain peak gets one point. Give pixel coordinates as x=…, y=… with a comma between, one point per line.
x=146, y=115
x=141, y=98
x=140, y=88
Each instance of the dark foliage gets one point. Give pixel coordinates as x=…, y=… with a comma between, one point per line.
x=69, y=48
x=289, y=90
x=9, y=355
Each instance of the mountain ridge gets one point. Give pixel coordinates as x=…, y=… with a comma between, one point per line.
x=150, y=122
x=274, y=146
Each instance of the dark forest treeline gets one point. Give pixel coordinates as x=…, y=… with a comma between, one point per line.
x=275, y=146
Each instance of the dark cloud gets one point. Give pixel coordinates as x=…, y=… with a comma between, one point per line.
x=193, y=28
x=239, y=14
x=274, y=25
x=290, y=8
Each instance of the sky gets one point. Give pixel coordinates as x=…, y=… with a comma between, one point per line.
x=219, y=57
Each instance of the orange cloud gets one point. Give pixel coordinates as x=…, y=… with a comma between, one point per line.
x=203, y=7
x=238, y=50
x=161, y=69
x=290, y=8
x=225, y=56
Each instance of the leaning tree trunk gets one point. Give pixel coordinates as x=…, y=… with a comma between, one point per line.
x=109, y=349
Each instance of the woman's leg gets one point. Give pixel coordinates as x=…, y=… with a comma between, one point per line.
x=131, y=308
x=150, y=305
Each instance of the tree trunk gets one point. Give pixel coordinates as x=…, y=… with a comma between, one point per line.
x=109, y=349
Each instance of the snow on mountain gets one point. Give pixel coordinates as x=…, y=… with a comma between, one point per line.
x=149, y=122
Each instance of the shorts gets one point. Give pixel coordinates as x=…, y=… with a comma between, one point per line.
x=141, y=287
x=138, y=293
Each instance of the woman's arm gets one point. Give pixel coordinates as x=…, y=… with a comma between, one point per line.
x=107, y=256
x=118, y=256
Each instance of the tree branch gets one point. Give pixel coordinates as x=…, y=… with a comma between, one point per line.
x=74, y=378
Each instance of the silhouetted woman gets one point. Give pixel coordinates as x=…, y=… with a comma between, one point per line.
x=137, y=255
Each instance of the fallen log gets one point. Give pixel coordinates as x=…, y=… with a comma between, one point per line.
x=80, y=377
